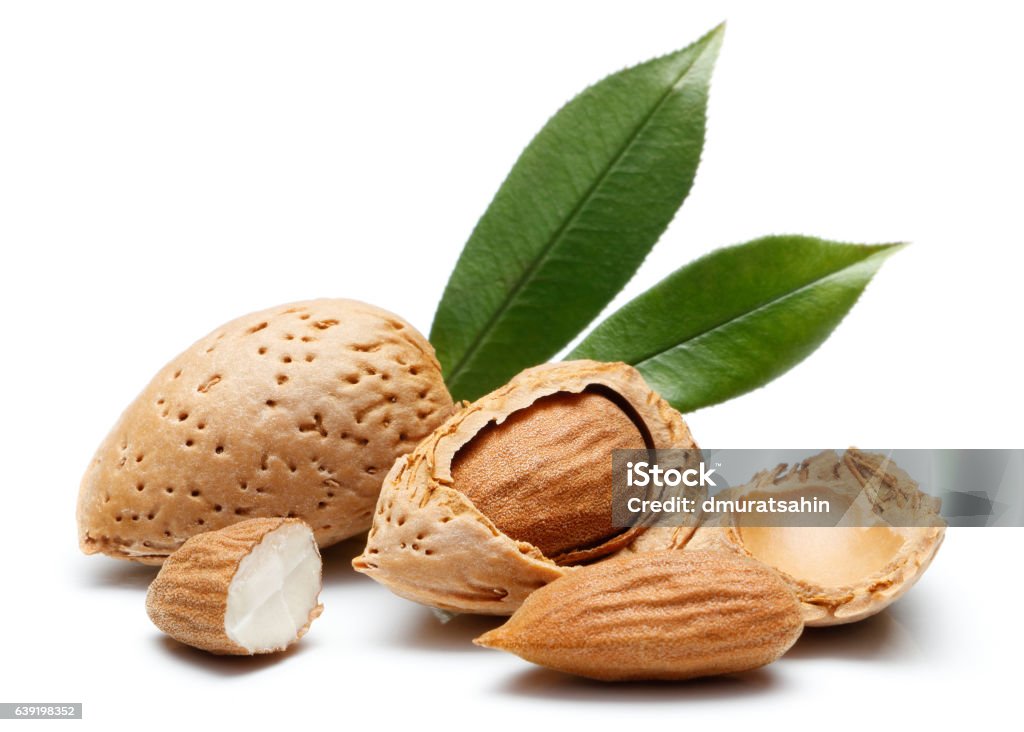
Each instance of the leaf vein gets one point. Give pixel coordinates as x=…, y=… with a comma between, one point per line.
x=570, y=220
x=749, y=313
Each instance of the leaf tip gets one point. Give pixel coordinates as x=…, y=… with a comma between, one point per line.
x=713, y=38
x=893, y=247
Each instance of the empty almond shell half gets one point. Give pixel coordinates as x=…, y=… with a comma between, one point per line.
x=250, y=588
x=888, y=534
x=514, y=490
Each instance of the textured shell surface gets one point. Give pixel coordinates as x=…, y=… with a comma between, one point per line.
x=431, y=544
x=295, y=411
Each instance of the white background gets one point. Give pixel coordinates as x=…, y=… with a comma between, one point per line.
x=165, y=167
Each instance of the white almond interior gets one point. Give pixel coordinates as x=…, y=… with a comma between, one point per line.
x=274, y=590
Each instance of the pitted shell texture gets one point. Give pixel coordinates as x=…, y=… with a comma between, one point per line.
x=296, y=411
x=431, y=544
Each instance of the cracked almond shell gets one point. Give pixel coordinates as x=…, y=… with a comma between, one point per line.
x=249, y=588
x=888, y=536
x=431, y=544
x=298, y=411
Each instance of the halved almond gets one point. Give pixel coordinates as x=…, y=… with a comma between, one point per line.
x=249, y=588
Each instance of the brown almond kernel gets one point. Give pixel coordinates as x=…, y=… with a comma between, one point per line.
x=659, y=615
x=544, y=475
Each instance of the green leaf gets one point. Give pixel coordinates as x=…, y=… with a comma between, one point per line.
x=575, y=218
x=737, y=318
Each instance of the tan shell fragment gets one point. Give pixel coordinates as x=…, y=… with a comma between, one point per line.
x=889, y=534
x=299, y=410
x=429, y=543
x=191, y=596
x=661, y=615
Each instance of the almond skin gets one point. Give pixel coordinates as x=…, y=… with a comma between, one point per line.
x=655, y=616
x=553, y=460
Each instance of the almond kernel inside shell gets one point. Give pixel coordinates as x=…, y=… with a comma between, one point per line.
x=544, y=475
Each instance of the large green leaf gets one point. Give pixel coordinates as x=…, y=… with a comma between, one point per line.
x=737, y=318
x=578, y=213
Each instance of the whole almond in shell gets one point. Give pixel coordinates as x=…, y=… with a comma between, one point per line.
x=655, y=616
x=299, y=410
x=514, y=490
x=246, y=589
